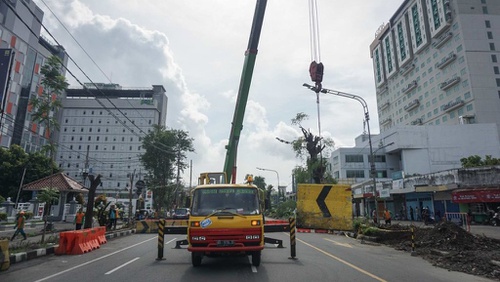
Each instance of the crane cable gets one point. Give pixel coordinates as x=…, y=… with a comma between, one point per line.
x=316, y=67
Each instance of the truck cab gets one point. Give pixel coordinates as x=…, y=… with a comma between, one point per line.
x=225, y=219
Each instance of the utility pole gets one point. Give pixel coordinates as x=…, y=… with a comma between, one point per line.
x=130, y=197
x=20, y=187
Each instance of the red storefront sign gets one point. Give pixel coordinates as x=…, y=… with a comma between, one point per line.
x=484, y=195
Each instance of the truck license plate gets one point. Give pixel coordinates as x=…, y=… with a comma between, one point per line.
x=225, y=243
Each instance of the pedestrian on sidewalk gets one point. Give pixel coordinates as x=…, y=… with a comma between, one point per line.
x=112, y=217
x=79, y=219
x=20, y=221
x=412, y=217
x=374, y=216
x=387, y=217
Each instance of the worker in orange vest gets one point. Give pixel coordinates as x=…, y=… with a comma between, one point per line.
x=79, y=219
x=19, y=226
x=387, y=217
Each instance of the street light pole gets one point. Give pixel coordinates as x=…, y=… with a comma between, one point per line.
x=277, y=175
x=367, y=120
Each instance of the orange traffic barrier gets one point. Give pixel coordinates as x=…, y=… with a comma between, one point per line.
x=66, y=242
x=101, y=235
x=81, y=245
x=92, y=239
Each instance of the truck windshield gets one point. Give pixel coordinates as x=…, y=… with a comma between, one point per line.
x=239, y=200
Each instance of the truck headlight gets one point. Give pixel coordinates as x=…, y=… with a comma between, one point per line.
x=255, y=223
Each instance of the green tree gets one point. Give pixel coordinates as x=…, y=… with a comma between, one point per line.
x=46, y=106
x=165, y=158
x=311, y=147
x=13, y=162
x=477, y=161
x=47, y=196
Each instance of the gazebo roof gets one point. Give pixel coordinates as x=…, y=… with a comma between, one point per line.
x=60, y=181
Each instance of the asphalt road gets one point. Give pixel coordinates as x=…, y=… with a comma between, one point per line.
x=320, y=257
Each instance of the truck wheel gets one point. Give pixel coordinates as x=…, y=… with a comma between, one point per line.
x=196, y=259
x=256, y=258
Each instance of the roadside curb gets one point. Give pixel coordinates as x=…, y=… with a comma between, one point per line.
x=25, y=256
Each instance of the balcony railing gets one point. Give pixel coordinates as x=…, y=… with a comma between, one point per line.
x=418, y=121
x=449, y=83
x=384, y=106
x=442, y=40
x=406, y=70
x=452, y=105
x=386, y=121
x=410, y=87
x=446, y=61
x=412, y=105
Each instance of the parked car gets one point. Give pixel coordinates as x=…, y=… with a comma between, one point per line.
x=181, y=213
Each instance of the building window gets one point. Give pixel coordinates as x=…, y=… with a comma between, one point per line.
x=353, y=158
x=494, y=58
x=378, y=158
x=487, y=23
x=97, y=138
x=496, y=70
x=485, y=10
x=492, y=46
x=90, y=138
x=90, y=129
x=130, y=148
x=97, y=147
x=469, y=108
x=123, y=138
x=490, y=35
x=131, y=139
x=498, y=82
x=355, y=173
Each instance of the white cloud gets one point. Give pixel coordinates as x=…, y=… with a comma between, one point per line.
x=196, y=50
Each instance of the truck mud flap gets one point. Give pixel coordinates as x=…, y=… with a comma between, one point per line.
x=274, y=241
x=180, y=243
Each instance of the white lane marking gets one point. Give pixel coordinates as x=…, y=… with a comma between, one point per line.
x=337, y=243
x=344, y=262
x=97, y=259
x=116, y=268
x=254, y=269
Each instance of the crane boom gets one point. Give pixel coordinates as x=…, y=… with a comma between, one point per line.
x=245, y=81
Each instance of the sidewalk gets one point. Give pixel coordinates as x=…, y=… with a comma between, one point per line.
x=34, y=234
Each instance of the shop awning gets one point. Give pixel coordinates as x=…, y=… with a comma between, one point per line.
x=476, y=195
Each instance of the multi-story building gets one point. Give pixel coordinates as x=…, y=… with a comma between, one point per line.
x=102, y=127
x=437, y=62
x=20, y=25
x=437, y=83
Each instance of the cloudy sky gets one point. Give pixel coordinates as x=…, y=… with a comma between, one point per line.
x=195, y=49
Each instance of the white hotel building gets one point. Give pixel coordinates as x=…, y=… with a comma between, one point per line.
x=104, y=135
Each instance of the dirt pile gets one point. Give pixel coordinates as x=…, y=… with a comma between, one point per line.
x=448, y=246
